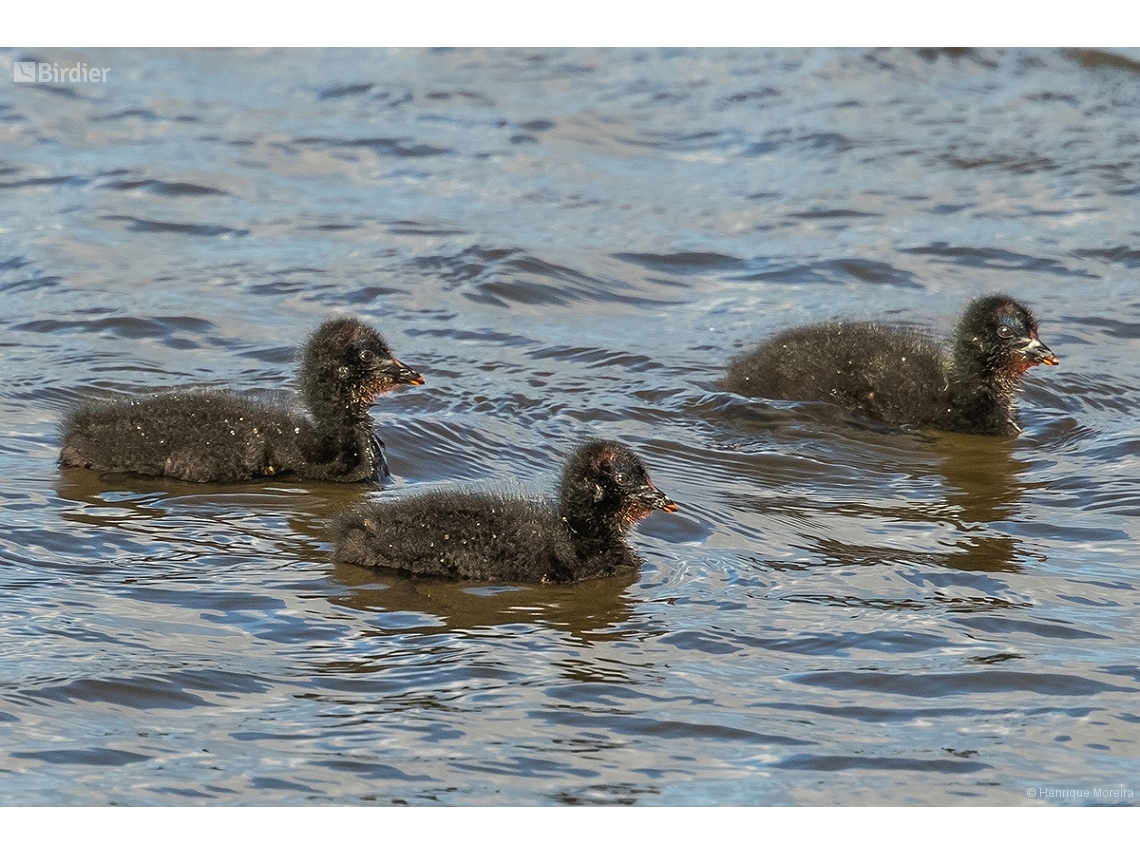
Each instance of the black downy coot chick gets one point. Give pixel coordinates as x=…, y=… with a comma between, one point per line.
x=493, y=538
x=216, y=436
x=901, y=375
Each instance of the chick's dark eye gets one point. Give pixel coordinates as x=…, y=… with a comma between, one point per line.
x=366, y=355
x=1004, y=331
x=622, y=478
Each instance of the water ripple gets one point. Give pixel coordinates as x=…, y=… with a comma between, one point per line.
x=946, y=685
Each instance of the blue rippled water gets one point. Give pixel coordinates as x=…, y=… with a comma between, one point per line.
x=570, y=244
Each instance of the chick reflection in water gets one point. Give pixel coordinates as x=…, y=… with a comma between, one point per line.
x=594, y=609
x=490, y=538
x=983, y=480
